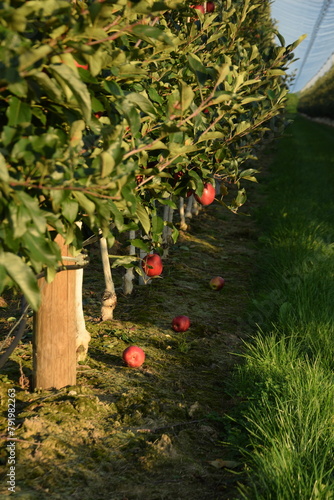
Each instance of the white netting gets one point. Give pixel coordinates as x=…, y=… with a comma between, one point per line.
x=316, y=19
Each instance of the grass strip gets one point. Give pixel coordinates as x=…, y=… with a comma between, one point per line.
x=286, y=380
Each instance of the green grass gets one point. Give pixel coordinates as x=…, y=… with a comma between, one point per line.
x=286, y=380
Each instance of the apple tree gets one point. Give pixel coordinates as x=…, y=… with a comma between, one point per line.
x=111, y=110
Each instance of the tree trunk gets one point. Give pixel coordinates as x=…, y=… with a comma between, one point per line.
x=167, y=231
x=183, y=224
x=82, y=335
x=189, y=207
x=54, y=340
x=129, y=273
x=109, y=298
x=142, y=280
x=196, y=207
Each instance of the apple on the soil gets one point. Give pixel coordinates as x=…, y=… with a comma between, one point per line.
x=208, y=195
x=217, y=283
x=180, y=323
x=133, y=356
x=152, y=264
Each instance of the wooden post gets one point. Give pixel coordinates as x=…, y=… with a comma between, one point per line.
x=54, y=340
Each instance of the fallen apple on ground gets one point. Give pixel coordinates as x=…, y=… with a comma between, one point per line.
x=208, y=195
x=217, y=283
x=180, y=323
x=152, y=264
x=133, y=356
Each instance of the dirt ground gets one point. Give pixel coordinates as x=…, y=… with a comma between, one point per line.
x=163, y=431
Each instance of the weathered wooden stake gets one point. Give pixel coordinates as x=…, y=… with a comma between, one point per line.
x=54, y=339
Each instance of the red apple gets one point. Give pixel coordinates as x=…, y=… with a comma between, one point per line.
x=152, y=264
x=178, y=175
x=201, y=8
x=180, y=323
x=208, y=194
x=210, y=6
x=217, y=283
x=133, y=356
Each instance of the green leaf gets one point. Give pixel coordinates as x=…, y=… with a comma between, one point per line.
x=18, y=113
x=187, y=96
x=41, y=251
x=144, y=218
x=132, y=116
x=154, y=95
x=140, y=244
x=211, y=135
x=242, y=127
x=142, y=102
x=221, y=97
x=20, y=89
x=84, y=202
x=295, y=44
x=249, y=172
x=107, y=164
x=48, y=85
x=198, y=68
x=70, y=209
x=44, y=8
x=117, y=216
x=23, y=276
x=36, y=214
x=157, y=225
x=280, y=37
x=179, y=149
x=4, y=175
x=223, y=71
x=146, y=32
x=78, y=88
x=249, y=99
x=241, y=198
x=29, y=57
x=122, y=260
x=77, y=127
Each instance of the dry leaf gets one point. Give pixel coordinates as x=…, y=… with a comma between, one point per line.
x=220, y=464
x=3, y=303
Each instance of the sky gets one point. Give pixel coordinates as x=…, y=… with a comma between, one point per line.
x=314, y=18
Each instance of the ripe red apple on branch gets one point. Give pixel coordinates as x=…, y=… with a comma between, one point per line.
x=152, y=264
x=217, y=283
x=208, y=195
x=201, y=8
x=210, y=6
x=180, y=323
x=133, y=356
x=206, y=7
